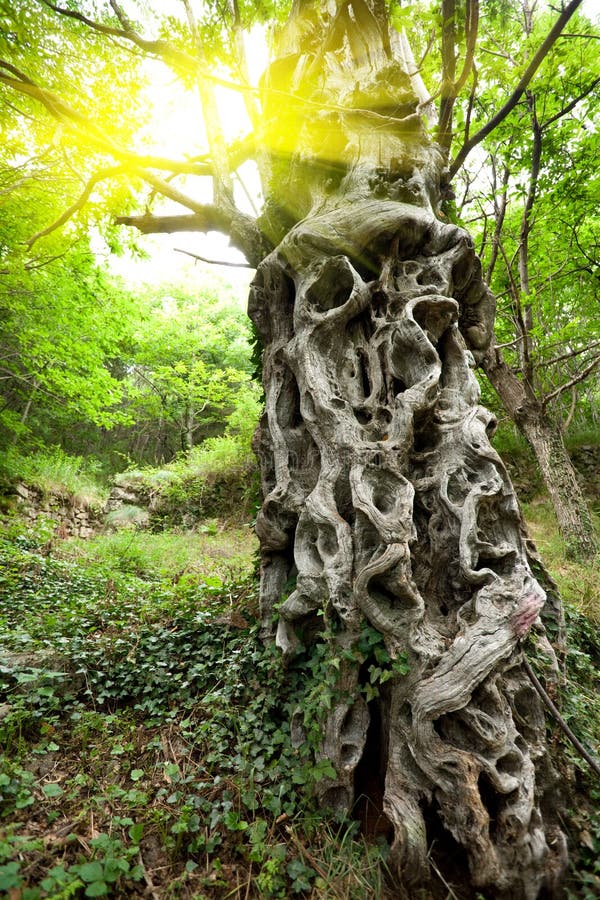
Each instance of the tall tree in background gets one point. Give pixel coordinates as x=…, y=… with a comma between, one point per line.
x=384, y=502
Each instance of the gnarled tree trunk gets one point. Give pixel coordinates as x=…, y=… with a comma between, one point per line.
x=382, y=494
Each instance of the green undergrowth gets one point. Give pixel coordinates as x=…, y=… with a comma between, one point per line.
x=580, y=707
x=579, y=698
x=579, y=584
x=145, y=738
x=146, y=746
x=218, y=478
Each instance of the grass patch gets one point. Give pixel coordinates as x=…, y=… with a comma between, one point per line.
x=52, y=471
x=579, y=585
x=214, y=550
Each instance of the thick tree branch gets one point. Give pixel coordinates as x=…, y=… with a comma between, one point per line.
x=150, y=224
x=448, y=73
x=451, y=86
x=242, y=230
x=521, y=87
x=524, y=232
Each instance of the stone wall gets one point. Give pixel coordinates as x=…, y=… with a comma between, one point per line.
x=182, y=502
x=586, y=460
x=73, y=518
x=528, y=483
x=132, y=503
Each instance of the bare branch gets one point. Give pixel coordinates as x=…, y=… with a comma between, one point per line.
x=512, y=343
x=567, y=109
x=566, y=424
x=471, y=101
x=521, y=87
x=592, y=763
x=214, y=262
x=569, y=34
x=569, y=355
x=569, y=384
x=499, y=214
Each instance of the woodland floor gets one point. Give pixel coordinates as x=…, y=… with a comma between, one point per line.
x=144, y=739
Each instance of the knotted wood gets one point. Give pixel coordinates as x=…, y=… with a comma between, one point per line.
x=383, y=497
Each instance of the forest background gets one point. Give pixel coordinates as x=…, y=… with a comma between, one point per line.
x=145, y=386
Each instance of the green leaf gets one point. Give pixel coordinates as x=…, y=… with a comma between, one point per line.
x=53, y=790
x=91, y=871
x=323, y=769
x=9, y=876
x=135, y=832
x=96, y=889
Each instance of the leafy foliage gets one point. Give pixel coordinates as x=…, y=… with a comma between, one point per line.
x=149, y=707
x=190, y=368
x=535, y=210
x=63, y=322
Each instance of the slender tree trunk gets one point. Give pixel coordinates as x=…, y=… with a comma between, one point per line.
x=383, y=498
x=572, y=513
x=29, y=403
x=187, y=431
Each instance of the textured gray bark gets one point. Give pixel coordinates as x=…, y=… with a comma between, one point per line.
x=382, y=493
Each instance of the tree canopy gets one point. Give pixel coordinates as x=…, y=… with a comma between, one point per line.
x=82, y=74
